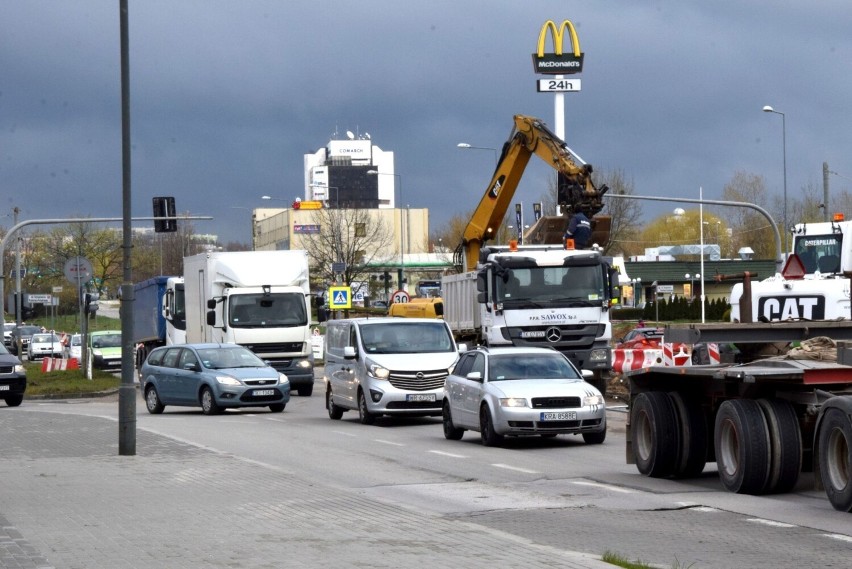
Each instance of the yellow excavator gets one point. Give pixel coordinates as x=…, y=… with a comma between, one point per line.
x=575, y=192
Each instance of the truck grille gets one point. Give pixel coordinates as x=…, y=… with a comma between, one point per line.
x=555, y=402
x=276, y=348
x=418, y=380
x=580, y=336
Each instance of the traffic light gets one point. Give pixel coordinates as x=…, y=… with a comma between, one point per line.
x=91, y=301
x=165, y=207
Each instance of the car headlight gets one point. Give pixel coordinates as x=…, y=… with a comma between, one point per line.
x=514, y=402
x=283, y=379
x=96, y=352
x=590, y=400
x=304, y=363
x=19, y=368
x=598, y=356
x=378, y=371
x=227, y=380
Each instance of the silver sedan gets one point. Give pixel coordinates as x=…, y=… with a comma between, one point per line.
x=521, y=391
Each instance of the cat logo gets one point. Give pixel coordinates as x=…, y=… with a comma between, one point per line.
x=558, y=63
x=791, y=308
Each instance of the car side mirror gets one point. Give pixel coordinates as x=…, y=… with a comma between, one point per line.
x=349, y=352
x=475, y=376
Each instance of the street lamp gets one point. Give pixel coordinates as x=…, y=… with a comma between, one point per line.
x=636, y=282
x=336, y=193
x=768, y=109
x=401, y=232
x=692, y=279
x=271, y=198
x=467, y=146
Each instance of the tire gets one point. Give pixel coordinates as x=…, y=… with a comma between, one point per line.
x=152, y=401
x=835, y=458
x=277, y=407
x=208, y=402
x=451, y=432
x=653, y=430
x=306, y=390
x=599, y=380
x=334, y=412
x=741, y=439
x=490, y=437
x=693, y=433
x=14, y=400
x=595, y=438
x=785, y=445
x=364, y=414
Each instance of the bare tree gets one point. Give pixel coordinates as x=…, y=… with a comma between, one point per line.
x=354, y=237
x=748, y=227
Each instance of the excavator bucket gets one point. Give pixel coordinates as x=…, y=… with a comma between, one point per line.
x=550, y=229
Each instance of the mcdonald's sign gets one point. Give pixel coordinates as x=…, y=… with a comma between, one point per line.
x=557, y=62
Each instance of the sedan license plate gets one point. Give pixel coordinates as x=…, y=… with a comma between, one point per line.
x=4, y=388
x=263, y=392
x=564, y=416
x=420, y=397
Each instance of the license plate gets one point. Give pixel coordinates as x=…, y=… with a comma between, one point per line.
x=4, y=388
x=565, y=416
x=420, y=397
x=263, y=392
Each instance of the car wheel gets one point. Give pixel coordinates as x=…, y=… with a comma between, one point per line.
x=334, y=412
x=451, y=432
x=306, y=390
x=277, y=407
x=490, y=438
x=364, y=414
x=152, y=401
x=14, y=400
x=595, y=438
x=208, y=402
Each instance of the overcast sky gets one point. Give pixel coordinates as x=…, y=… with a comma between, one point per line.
x=228, y=95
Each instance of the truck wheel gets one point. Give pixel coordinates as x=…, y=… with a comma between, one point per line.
x=364, y=414
x=742, y=446
x=451, y=432
x=334, y=412
x=14, y=400
x=835, y=459
x=490, y=437
x=785, y=445
x=653, y=429
x=152, y=401
x=692, y=427
x=208, y=402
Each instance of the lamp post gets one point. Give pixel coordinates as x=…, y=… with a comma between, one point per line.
x=401, y=231
x=336, y=194
x=769, y=109
x=692, y=279
x=273, y=199
x=635, y=282
x=467, y=146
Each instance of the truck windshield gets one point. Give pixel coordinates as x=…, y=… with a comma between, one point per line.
x=552, y=285
x=406, y=338
x=267, y=310
x=819, y=252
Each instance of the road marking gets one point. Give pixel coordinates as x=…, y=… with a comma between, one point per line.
x=606, y=486
x=770, y=523
x=516, y=469
x=839, y=536
x=389, y=443
x=451, y=455
x=344, y=434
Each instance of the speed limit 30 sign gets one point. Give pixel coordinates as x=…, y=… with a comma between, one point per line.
x=400, y=296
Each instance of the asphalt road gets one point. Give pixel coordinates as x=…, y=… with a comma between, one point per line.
x=558, y=493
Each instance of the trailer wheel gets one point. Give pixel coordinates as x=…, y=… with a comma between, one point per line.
x=835, y=459
x=742, y=446
x=692, y=427
x=653, y=428
x=785, y=445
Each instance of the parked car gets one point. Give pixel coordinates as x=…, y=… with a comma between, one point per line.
x=105, y=349
x=521, y=391
x=44, y=344
x=7, y=332
x=24, y=333
x=13, y=378
x=641, y=337
x=214, y=377
x=74, y=349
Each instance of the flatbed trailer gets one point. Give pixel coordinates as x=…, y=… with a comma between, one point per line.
x=763, y=421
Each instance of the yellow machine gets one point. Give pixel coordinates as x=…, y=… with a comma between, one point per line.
x=575, y=192
x=418, y=308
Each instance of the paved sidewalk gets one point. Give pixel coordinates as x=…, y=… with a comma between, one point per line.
x=67, y=500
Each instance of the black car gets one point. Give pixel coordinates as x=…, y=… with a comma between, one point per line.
x=13, y=378
x=24, y=333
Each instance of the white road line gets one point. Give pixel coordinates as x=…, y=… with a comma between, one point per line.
x=515, y=468
x=770, y=523
x=389, y=443
x=841, y=537
x=606, y=486
x=449, y=454
x=345, y=434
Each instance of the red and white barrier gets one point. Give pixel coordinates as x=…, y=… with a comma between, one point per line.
x=629, y=360
x=59, y=364
x=676, y=354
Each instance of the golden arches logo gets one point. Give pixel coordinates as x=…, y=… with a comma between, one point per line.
x=558, y=35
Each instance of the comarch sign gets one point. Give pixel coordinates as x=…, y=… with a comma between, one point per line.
x=557, y=62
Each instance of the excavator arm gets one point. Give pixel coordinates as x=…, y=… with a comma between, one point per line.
x=575, y=191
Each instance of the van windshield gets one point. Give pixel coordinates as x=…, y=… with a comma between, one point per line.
x=406, y=338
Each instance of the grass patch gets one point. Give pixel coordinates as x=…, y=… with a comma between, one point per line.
x=66, y=383
x=621, y=561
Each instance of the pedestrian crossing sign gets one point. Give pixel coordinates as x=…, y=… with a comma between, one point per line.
x=339, y=297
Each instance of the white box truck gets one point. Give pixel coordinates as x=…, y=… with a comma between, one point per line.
x=257, y=299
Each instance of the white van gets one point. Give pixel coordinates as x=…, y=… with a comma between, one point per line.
x=387, y=366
